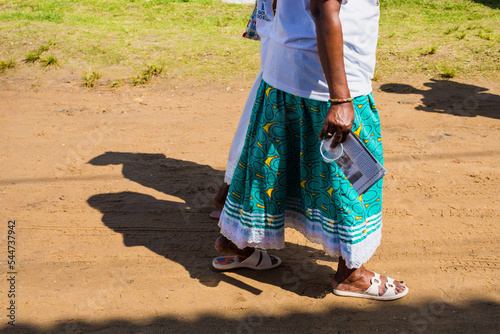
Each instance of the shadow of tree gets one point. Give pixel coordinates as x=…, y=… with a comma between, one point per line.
x=433, y=316
x=181, y=231
x=452, y=98
x=495, y=4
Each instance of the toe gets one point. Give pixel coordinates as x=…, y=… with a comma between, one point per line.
x=400, y=289
x=400, y=286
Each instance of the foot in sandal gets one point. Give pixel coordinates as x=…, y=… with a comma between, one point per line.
x=361, y=283
x=242, y=258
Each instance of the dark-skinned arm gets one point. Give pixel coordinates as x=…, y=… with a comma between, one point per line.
x=330, y=46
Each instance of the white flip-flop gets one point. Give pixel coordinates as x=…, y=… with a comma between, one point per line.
x=372, y=291
x=259, y=260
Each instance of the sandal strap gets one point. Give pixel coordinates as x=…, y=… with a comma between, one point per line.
x=259, y=258
x=390, y=283
x=253, y=259
x=375, y=283
x=391, y=287
x=266, y=260
x=391, y=291
x=374, y=288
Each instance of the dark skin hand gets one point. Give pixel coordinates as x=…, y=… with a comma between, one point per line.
x=340, y=117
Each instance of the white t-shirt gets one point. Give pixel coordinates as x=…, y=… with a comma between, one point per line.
x=263, y=24
x=292, y=62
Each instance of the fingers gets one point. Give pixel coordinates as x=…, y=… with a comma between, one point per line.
x=338, y=123
x=324, y=131
x=337, y=139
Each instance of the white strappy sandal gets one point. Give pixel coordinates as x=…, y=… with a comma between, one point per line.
x=259, y=260
x=372, y=291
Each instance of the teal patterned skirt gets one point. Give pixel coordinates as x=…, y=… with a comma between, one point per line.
x=282, y=181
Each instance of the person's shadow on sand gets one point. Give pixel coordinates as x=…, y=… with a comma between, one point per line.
x=452, y=98
x=181, y=231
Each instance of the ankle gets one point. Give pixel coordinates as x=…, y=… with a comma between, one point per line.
x=226, y=246
x=221, y=244
x=351, y=275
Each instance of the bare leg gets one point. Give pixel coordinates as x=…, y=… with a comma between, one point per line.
x=358, y=280
x=220, y=198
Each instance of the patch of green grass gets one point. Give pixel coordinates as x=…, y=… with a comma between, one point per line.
x=43, y=48
x=450, y=30
x=485, y=36
x=39, y=16
x=448, y=72
x=50, y=61
x=5, y=65
x=34, y=56
x=429, y=51
x=201, y=41
x=115, y=84
x=443, y=23
x=90, y=78
x=147, y=74
x=31, y=57
x=474, y=16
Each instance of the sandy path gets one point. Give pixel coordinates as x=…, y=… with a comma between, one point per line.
x=110, y=192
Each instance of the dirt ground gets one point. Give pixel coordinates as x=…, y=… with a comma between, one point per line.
x=110, y=192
